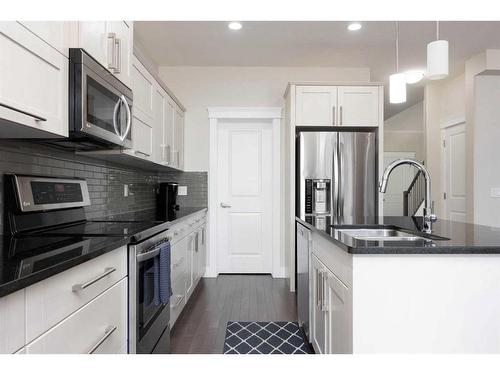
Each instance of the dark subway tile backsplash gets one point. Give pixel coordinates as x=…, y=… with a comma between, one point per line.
x=105, y=179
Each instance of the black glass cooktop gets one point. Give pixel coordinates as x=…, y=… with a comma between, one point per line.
x=101, y=228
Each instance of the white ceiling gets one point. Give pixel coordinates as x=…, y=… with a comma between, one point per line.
x=284, y=43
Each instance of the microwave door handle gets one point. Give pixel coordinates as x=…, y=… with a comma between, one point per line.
x=129, y=118
x=115, y=114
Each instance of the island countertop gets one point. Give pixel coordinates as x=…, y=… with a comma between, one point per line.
x=457, y=237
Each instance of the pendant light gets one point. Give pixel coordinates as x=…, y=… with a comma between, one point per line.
x=437, y=57
x=397, y=81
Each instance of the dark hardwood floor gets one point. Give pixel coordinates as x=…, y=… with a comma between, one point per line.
x=202, y=325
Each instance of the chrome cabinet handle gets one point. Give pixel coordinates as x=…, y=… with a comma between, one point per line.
x=112, y=42
x=341, y=120
x=118, y=51
x=108, y=332
x=324, y=306
x=318, y=288
x=225, y=205
x=36, y=117
x=137, y=152
x=80, y=287
x=333, y=115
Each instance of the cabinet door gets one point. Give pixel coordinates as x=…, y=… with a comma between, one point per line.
x=319, y=316
x=168, y=133
x=358, y=105
x=178, y=138
x=190, y=265
x=316, y=105
x=159, y=100
x=33, y=85
x=339, y=315
x=143, y=86
x=122, y=49
x=55, y=33
x=94, y=39
x=12, y=322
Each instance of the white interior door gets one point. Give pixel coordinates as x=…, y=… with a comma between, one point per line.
x=244, y=190
x=454, y=173
x=398, y=182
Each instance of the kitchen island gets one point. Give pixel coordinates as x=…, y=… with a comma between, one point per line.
x=418, y=293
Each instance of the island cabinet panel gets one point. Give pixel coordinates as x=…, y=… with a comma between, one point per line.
x=12, y=328
x=426, y=303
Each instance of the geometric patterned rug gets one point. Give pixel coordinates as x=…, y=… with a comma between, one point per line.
x=264, y=338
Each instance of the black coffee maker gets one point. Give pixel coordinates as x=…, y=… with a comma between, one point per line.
x=166, y=201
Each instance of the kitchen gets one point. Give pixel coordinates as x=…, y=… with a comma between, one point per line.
x=174, y=200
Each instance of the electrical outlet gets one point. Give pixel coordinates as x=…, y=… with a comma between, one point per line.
x=182, y=190
x=125, y=190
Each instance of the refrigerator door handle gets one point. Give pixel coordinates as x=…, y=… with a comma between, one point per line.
x=340, y=180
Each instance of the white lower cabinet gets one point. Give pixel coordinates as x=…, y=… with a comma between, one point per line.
x=331, y=311
x=53, y=299
x=12, y=327
x=187, y=261
x=33, y=85
x=99, y=327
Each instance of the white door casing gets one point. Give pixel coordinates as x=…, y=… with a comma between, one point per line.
x=244, y=173
x=244, y=230
x=454, y=182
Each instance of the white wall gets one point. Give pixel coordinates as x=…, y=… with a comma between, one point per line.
x=404, y=132
x=201, y=87
x=486, y=150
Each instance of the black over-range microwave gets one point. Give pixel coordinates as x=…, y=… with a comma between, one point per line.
x=100, y=106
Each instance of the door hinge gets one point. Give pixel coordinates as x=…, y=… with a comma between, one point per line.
x=444, y=195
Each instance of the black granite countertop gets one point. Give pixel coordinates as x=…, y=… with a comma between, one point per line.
x=27, y=260
x=448, y=237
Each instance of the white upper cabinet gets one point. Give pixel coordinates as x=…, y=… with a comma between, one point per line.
x=316, y=105
x=110, y=43
x=358, y=106
x=33, y=84
x=178, y=151
x=338, y=105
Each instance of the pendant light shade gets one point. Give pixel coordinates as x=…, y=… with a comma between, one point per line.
x=437, y=57
x=397, y=81
x=397, y=88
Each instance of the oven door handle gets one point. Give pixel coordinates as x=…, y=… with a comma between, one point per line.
x=148, y=255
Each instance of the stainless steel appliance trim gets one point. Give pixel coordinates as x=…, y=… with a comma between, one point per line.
x=145, y=256
x=108, y=332
x=80, y=287
x=36, y=117
x=129, y=117
x=25, y=193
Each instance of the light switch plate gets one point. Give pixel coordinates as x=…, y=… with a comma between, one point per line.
x=182, y=190
x=495, y=192
x=125, y=190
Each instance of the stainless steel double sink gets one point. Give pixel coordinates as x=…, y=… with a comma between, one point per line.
x=383, y=234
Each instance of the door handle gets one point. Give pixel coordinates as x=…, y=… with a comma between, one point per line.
x=118, y=54
x=225, y=205
x=112, y=51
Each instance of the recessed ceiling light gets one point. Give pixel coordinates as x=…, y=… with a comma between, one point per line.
x=414, y=76
x=234, y=25
x=354, y=26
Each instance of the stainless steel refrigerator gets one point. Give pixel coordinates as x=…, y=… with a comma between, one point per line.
x=336, y=177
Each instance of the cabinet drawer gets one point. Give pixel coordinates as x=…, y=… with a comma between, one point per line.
x=51, y=300
x=99, y=327
x=12, y=332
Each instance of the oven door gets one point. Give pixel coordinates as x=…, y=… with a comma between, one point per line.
x=152, y=320
x=106, y=112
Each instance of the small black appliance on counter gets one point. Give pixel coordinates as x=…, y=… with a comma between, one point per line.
x=166, y=201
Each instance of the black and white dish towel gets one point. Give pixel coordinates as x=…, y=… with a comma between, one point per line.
x=264, y=338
